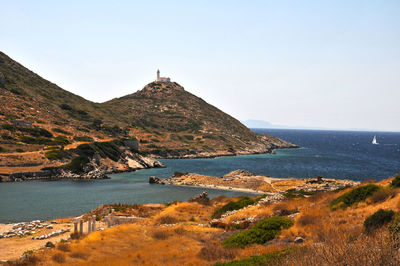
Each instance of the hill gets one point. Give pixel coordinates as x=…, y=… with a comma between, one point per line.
x=168, y=121
x=183, y=124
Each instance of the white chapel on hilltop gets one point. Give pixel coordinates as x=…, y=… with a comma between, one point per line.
x=162, y=79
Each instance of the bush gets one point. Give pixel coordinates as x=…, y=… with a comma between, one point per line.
x=2, y=149
x=36, y=132
x=55, y=155
x=214, y=251
x=263, y=231
x=8, y=127
x=160, y=235
x=63, y=247
x=58, y=257
x=378, y=219
x=33, y=140
x=60, y=140
x=166, y=219
x=396, y=181
x=354, y=196
x=66, y=107
x=231, y=206
x=188, y=137
x=59, y=130
x=19, y=150
x=77, y=164
x=83, y=138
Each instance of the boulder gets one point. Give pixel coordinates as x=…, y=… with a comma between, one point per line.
x=50, y=244
x=298, y=240
x=201, y=198
x=154, y=180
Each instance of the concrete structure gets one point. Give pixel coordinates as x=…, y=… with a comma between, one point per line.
x=162, y=79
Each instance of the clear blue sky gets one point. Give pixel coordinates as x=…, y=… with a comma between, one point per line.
x=333, y=64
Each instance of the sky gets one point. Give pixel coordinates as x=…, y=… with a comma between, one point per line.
x=328, y=64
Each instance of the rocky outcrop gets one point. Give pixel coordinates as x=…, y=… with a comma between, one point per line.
x=202, y=198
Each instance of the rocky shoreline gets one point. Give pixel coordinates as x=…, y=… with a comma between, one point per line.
x=97, y=168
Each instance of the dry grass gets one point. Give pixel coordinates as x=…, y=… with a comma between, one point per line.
x=284, y=208
x=332, y=237
x=58, y=257
x=382, y=195
x=63, y=247
x=214, y=252
x=167, y=219
x=161, y=234
x=79, y=255
x=343, y=250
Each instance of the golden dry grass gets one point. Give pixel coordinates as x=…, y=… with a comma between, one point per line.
x=168, y=237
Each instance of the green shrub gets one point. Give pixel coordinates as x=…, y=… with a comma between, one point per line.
x=55, y=154
x=354, y=196
x=6, y=136
x=59, y=130
x=231, y=206
x=77, y=164
x=36, y=132
x=263, y=231
x=264, y=259
x=2, y=149
x=396, y=181
x=188, y=137
x=60, y=140
x=378, y=219
x=19, y=150
x=66, y=107
x=34, y=140
x=8, y=127
x=83, y=138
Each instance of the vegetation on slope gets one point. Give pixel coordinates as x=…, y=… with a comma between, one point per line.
x=263, y=231
x=354, y=196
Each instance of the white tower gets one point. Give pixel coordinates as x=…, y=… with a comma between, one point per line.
x=158, y=74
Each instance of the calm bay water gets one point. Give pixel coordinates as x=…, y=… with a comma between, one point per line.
x=335, y=154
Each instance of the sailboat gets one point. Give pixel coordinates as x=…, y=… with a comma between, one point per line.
x=374, y=141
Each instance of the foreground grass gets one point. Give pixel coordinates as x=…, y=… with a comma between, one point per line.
x=264, y=259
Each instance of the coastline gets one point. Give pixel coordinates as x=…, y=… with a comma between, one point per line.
x=151, y=161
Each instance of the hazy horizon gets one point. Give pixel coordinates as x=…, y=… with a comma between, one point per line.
x=315, y=64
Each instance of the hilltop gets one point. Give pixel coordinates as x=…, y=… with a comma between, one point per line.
x=185, y=125
x=164, y=118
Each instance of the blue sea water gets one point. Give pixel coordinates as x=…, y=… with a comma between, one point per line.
x=335, y=154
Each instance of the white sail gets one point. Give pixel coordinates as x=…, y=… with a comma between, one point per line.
x=374, y=140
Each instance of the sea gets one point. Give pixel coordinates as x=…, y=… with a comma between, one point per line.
x=330, y=154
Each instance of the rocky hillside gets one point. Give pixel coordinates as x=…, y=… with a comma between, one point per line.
x=185, y=125
x=166, y=119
